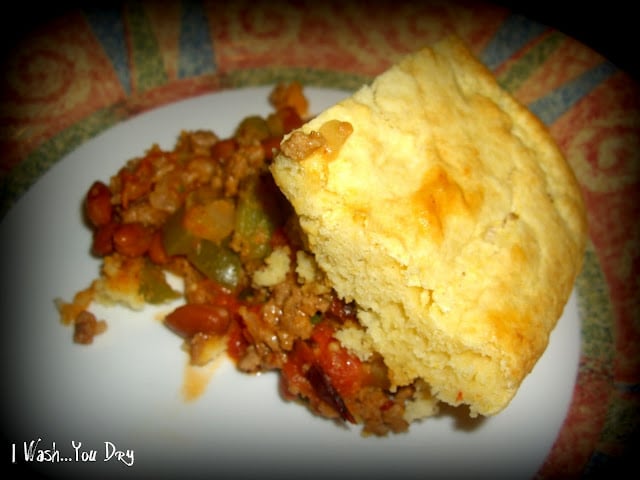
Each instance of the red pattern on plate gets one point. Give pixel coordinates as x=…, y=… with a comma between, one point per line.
x=582, y=428
x=611, y=193
x=62, y=75
x=566, y=62
x=55, y=79
x=334, y=35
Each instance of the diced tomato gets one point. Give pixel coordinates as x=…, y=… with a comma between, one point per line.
x=279, y=238
x=344, y=370
x=223, y=297
x=223, y=149
x=270, y=145
x=294, y=381
x=236, y=342
x=290, y=118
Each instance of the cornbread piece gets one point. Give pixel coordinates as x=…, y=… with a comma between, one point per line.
x=446, y=211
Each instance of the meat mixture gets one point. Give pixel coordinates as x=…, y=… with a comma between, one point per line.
x=208, y=212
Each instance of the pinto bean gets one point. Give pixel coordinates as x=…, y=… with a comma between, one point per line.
x=187, y=320
x=132, y=239
x=103, y=239
x=98, y=204
x=157, y=252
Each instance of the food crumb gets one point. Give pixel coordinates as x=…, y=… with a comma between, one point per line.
x=275, y=270
x=86, y=327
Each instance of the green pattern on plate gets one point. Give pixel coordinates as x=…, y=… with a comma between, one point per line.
x=598, y=348
x=52, y=151
x=531, y=61
x=149, y=71
x=135, y=65
x=306, y=76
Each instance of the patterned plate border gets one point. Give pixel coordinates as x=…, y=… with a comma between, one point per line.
x=95, y=67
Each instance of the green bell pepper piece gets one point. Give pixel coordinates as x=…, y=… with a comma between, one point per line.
x=259, y=212
x=218, y=262
x=153, y=285
x=176, y=239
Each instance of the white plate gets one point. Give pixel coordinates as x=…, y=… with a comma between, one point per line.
x=126, y=389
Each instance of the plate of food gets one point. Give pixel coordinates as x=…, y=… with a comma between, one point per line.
x=225, y=256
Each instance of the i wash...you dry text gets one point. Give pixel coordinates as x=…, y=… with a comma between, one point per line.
x=33, y=451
